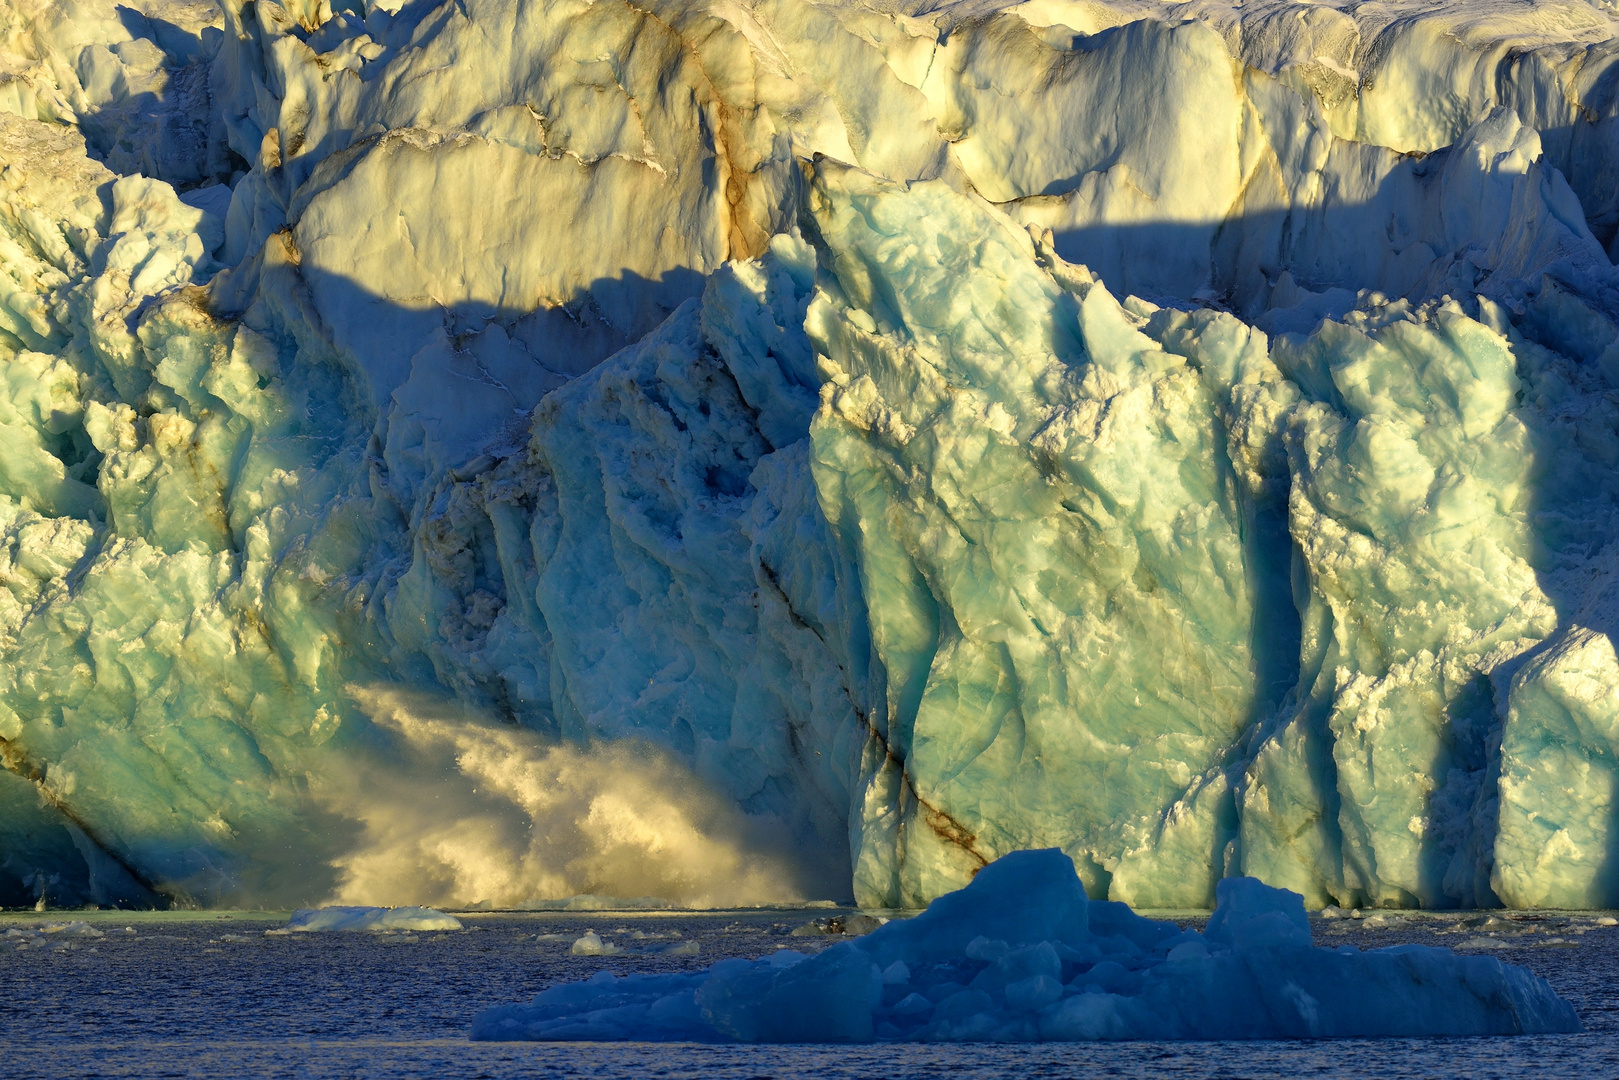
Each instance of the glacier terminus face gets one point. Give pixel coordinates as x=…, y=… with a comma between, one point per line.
x=725, y=453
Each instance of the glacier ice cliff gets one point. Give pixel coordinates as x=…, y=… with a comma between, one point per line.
x=499, y=451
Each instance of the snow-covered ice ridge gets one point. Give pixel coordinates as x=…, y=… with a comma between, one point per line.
x=494, y=451
x=1020, y=955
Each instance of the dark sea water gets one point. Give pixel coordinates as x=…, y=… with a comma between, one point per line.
x=208, y=995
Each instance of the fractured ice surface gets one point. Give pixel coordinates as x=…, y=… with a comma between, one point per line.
x=1020, y=955
x=497, y=453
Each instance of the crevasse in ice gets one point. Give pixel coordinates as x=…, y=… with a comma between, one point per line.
x=493, y=453
x=1020, y=955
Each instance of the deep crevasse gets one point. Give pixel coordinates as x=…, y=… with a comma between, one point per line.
x=732, y=452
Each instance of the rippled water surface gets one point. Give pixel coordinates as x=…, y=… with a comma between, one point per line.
x=209, y=995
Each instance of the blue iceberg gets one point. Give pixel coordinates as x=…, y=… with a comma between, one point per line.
x=1021, y=955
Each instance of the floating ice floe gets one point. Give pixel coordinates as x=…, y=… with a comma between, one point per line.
x=593, y=944
x=838, y=925
x=58, y=935
x=1020, y=954
x=317, y=920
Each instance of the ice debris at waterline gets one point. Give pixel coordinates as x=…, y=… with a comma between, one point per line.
x=599, y=903
x=852, y=925
x=591, y=943
x=476, y=452
x=376, y=919
x=55, y=935
x=1021, y=955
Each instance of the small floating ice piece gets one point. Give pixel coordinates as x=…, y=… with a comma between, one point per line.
x=317, y=920
x=1020, y=954
x=72, y=929
x=838, y=925
x=679, y=948
x=591, y=944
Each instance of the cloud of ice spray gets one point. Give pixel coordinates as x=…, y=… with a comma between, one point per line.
x=468, y=810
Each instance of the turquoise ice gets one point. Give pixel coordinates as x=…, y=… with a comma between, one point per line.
x=487, y=453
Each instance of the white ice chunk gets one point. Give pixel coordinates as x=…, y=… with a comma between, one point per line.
x=591, y=944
